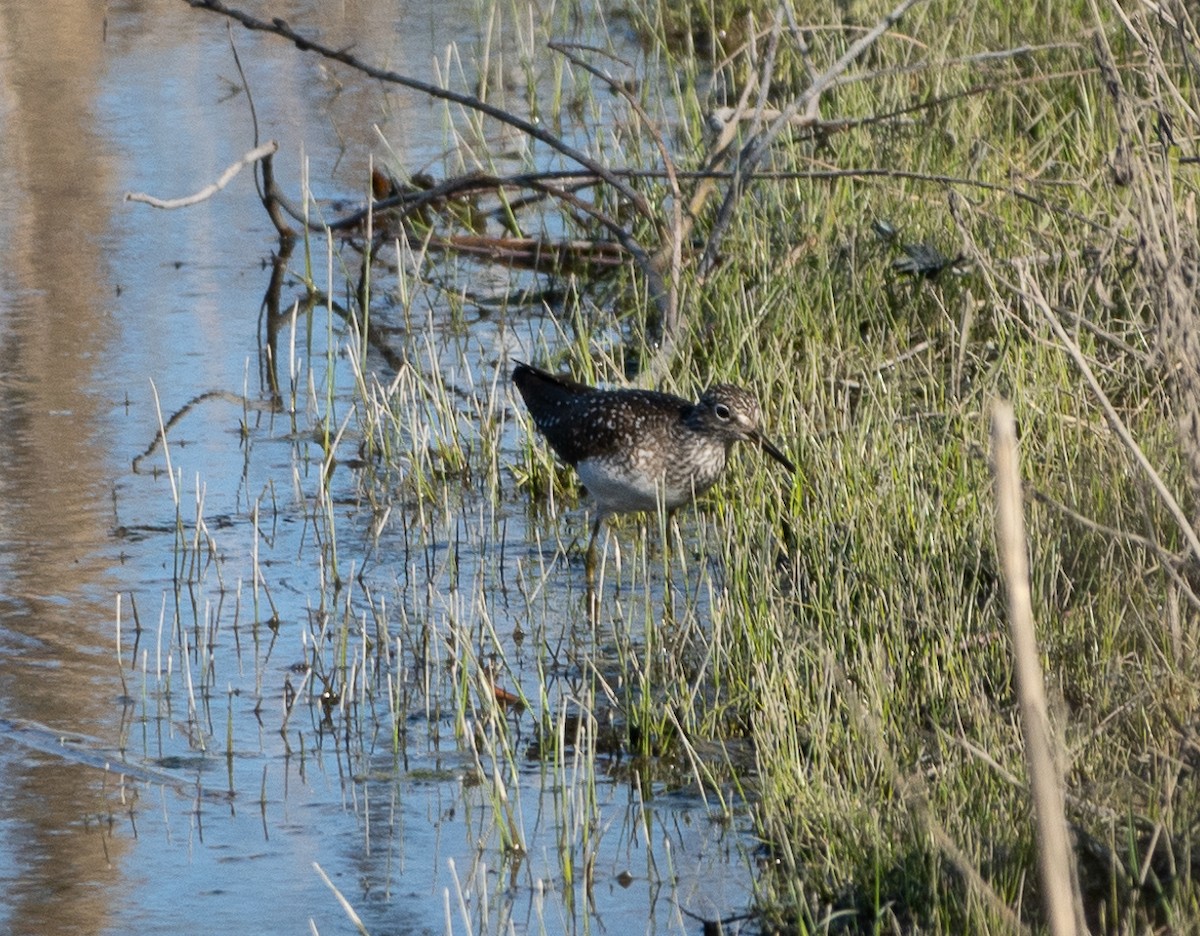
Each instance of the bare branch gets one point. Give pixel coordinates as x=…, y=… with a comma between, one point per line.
x=808, y=105
x=658, y=288
x=261, y=152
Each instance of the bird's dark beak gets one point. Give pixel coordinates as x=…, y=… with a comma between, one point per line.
x=771, y=450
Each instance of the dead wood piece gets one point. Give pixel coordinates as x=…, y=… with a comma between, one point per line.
x=536, y=254
x=261, y=152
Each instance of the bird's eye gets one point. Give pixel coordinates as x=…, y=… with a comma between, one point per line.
x=722, y=411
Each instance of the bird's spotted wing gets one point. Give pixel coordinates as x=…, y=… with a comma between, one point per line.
x=582, y=422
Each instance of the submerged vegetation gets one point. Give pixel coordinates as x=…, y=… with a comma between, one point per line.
x=884, y=221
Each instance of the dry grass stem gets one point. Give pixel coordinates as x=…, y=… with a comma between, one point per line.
x=1060, y=895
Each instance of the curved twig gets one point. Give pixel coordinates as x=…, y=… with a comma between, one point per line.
x=161, y=435
x=261, y=152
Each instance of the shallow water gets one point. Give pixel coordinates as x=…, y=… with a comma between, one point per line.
x=154, y=781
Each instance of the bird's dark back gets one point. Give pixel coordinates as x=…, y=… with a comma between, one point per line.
x=584, y=422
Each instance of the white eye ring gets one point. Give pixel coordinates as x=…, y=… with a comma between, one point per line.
x=721, y=411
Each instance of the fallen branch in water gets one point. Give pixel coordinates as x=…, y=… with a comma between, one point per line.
x=406, y=209
x=160, y=437
x=261, y=152
x=529, y=253
x=661, y=293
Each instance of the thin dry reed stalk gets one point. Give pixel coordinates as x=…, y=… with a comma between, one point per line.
x=1060, y=888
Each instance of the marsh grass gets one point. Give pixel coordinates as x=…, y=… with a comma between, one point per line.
x=872, y=668
x=828, y=654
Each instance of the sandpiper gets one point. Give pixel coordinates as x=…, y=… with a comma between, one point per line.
x=635, y=449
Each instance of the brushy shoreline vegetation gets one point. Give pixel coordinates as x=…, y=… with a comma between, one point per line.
x=875, y=674
x=995, y=201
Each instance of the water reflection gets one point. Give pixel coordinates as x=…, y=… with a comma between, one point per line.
x=234, y=594
x=55, y=509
